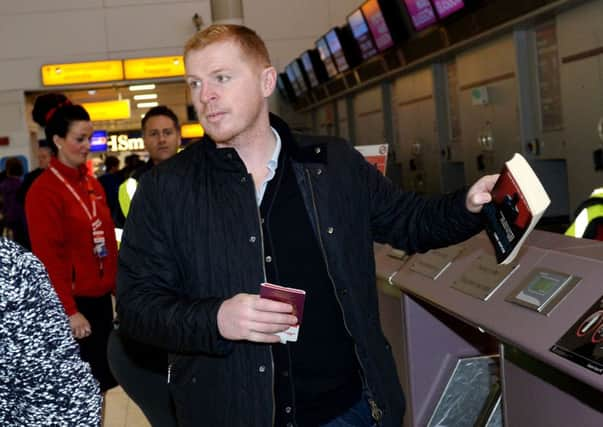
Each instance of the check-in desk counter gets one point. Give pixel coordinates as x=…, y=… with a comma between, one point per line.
x=440, y=333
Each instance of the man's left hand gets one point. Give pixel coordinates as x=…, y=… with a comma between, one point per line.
x=479, y=193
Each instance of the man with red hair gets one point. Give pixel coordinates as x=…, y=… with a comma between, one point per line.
x=255, y=203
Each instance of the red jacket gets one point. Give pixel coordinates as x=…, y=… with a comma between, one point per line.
x=61, y=234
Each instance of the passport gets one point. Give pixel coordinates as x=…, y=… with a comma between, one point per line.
x=293, y=296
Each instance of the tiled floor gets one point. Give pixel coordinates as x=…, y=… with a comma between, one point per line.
x=120, y=411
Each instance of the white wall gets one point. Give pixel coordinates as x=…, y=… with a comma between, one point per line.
x=417, y=145
x=290, y=27
x=368, y=108
x=490, y=65
x=37, y=32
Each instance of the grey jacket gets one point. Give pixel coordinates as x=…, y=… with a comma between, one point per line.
x=43, y=381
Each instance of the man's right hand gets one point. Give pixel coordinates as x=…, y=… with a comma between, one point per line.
x=249, y=317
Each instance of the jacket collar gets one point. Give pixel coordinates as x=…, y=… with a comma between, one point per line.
x=71, y=174
x=303, y=150
x=147, y=166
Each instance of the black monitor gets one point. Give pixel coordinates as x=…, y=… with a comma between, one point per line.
x=421, y=13
x=326, y=57
x=284, y=87
x=362, y=34
x=300, y=75
x=296, y=77
x=297, y=89
x=343, y=47
x=314, y=67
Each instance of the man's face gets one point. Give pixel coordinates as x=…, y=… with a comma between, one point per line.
x=229, y=90
x=43, y=157
x=161, y=138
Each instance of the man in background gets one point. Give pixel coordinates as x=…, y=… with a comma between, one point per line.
x=111, y=180
x=161, y=135
x=141, y=369
x=44, y=154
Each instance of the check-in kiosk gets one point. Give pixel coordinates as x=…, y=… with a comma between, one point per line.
x=477, y=343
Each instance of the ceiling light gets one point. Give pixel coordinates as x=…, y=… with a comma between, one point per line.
x=147, y=104
x=134, y=88
x=145, y=96
x=91, y=92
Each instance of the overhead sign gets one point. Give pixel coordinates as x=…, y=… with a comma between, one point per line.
x=82, y=72
x=125, y=142
x=98, y=141
x=153, y=68
x=108, y=110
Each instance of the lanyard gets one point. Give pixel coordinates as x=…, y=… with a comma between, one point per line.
x=90, y=216
x=98, y=235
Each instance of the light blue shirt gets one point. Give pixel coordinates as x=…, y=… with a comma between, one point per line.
x=271, y=165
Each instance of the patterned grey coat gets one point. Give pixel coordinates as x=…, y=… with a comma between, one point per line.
x=43, y=381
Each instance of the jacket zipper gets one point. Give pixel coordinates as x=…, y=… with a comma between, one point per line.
x=376, y=412
x=263, y=257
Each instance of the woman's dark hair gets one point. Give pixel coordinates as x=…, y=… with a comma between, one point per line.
x=55, y=113
x=14, y=167
x=111, y=162
x=160, y=110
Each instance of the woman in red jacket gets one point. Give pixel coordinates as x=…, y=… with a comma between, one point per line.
x=72, y=232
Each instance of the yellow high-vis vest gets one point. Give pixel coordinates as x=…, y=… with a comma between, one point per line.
x=124, y=197
x=591, y=212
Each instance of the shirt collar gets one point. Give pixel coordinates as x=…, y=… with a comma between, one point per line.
x=273, y=162
x=271, y=165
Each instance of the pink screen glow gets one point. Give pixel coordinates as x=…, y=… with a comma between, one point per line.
x=361, y=34
x=447, y=7
x=377, y=25
x=421, y=13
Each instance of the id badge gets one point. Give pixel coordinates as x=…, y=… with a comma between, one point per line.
x=100, y=250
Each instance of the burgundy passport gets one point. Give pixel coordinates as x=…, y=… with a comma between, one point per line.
x=292, y=296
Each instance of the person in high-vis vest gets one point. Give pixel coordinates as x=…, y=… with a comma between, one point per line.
x=161, y=135
x=141, y=369
x=589, y=221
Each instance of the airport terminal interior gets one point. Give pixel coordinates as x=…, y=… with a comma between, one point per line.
x=435, y=94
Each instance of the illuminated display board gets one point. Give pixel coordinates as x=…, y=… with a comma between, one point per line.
x=421, y=13
x=362, y=34
x=153, y=68
x=447, y=7
x=82, y=72
x=309, y=68
x=325, y=56
x=108, y=110
x=377, y=25
x=336, y=49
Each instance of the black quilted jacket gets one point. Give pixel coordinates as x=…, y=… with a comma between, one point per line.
x=193, y=239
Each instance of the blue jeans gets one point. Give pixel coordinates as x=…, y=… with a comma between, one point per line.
x=358, y=415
